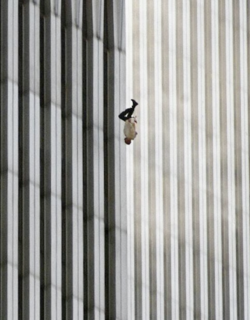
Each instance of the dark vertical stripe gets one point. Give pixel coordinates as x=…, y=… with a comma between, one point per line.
x=209, y=167
x=108, y=115
x=3, y=165
x=224, y=164
x=8, y=160
x=85, y=160
x=42, y=163
x=29, y=171
x=93, y=169
x=238, y=162
x=89, y=301
x=20, y=164
x=151, y=158
x=64, y=163
x=114, y=292
x=180, y=163
x=166, y=163
x=151, y=161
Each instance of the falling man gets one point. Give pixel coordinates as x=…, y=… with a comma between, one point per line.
x=130, y=123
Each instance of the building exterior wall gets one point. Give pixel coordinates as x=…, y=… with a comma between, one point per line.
x=63, y=177
x=91, y=228
x=188, y=208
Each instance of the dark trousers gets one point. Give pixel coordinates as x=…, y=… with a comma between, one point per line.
x=127, y=114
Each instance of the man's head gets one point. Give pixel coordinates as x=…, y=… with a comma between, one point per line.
x=127, y=140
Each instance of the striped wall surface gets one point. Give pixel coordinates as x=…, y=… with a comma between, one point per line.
x=91, y=228
x=188, y=169
x=63, y=227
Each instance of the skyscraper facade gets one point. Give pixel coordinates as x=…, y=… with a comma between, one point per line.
x=63, y=188
x=91, y=228
x=188, y=205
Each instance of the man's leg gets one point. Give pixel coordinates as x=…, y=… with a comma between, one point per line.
x=134, y=103
x=127, y=114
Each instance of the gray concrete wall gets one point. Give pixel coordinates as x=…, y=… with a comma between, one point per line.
x=63, y=237
x=188, y=207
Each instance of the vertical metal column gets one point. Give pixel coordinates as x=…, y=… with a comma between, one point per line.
x=115, y=162
x=158, y=169
x=228, y=160
x=141, y=173
x=130, y=166
x=29, y=165
x=73, y=284
x=166, y=78
x=94, y=162
x=9, y=160
x=173, y=210
x=149, y=111
x=214, y=161
x=51, y=156
x=137, y=170
x=140, y=165
x=199, y=159
x=185, y=170
x=241, y=110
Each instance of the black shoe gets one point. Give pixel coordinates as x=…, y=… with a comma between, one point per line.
x=134, y=103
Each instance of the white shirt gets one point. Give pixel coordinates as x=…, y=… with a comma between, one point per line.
x=130, y=128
